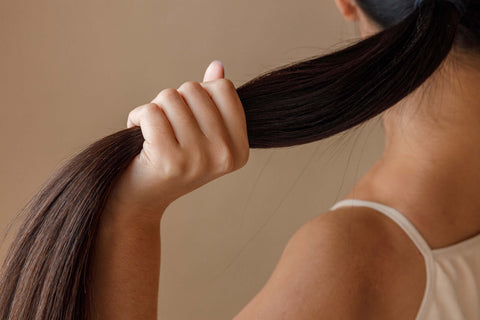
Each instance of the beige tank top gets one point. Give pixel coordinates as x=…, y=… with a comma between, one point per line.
x=453, y=273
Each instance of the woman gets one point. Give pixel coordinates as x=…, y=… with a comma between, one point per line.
x=349, y=263
x=404, y=244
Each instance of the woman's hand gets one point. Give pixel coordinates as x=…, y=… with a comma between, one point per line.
x=193, y=135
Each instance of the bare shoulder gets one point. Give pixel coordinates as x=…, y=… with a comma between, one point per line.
x=338, y=265
x=391, y=270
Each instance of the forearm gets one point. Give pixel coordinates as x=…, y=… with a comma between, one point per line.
x=125, y=268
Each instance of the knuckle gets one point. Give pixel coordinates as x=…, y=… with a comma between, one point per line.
x=224, y=84
x=190, y=86
x=226, y=159
x=150, y=108
x=131, y=114
x=168, y=93
x=174, y=168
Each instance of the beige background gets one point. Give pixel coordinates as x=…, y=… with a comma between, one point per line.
x=70, y=71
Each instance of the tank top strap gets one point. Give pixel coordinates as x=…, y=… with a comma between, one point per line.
x=413, y=234
x=396, y=216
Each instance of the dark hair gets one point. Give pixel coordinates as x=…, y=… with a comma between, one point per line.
x=46, y=271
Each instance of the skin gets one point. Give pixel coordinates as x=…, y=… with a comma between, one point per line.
x=347, y=264
x=193, y=134
x=434, y=181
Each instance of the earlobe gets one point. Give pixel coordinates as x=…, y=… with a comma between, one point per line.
x=348, y=9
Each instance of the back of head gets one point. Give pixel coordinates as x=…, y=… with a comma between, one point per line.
x=387, y=13
x=317, y=98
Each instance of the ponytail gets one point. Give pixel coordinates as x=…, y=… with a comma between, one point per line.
x=45, y=275
x=318, y=98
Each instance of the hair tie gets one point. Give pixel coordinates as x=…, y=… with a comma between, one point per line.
x=461, y=5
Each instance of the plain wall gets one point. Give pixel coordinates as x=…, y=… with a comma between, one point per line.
x=70, y=71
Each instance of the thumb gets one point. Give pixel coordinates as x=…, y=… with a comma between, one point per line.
x=214, y=71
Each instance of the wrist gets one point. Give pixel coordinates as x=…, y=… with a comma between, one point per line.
x=124, y=213
x=133, y=202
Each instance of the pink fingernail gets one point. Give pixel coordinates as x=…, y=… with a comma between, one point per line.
x=219, y=62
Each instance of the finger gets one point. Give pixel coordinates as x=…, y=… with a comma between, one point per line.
x=214, y=71
x=206, y=112
x=156, y=129
x=224, y=95
x=182, y=119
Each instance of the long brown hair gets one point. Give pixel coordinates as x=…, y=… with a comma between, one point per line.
x=45, y=275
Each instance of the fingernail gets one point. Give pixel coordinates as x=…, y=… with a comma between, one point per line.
x=220, y=62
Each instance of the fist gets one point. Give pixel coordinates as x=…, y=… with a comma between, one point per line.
x=193, y=134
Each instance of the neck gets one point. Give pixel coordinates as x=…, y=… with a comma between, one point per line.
x=430, y=169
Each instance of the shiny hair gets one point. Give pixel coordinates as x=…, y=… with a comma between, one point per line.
x=46, y=273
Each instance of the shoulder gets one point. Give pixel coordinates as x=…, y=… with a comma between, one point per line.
x=358, y=251
x=374, y=266
x=332, y=267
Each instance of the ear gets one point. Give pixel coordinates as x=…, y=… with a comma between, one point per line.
x=348, y=9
